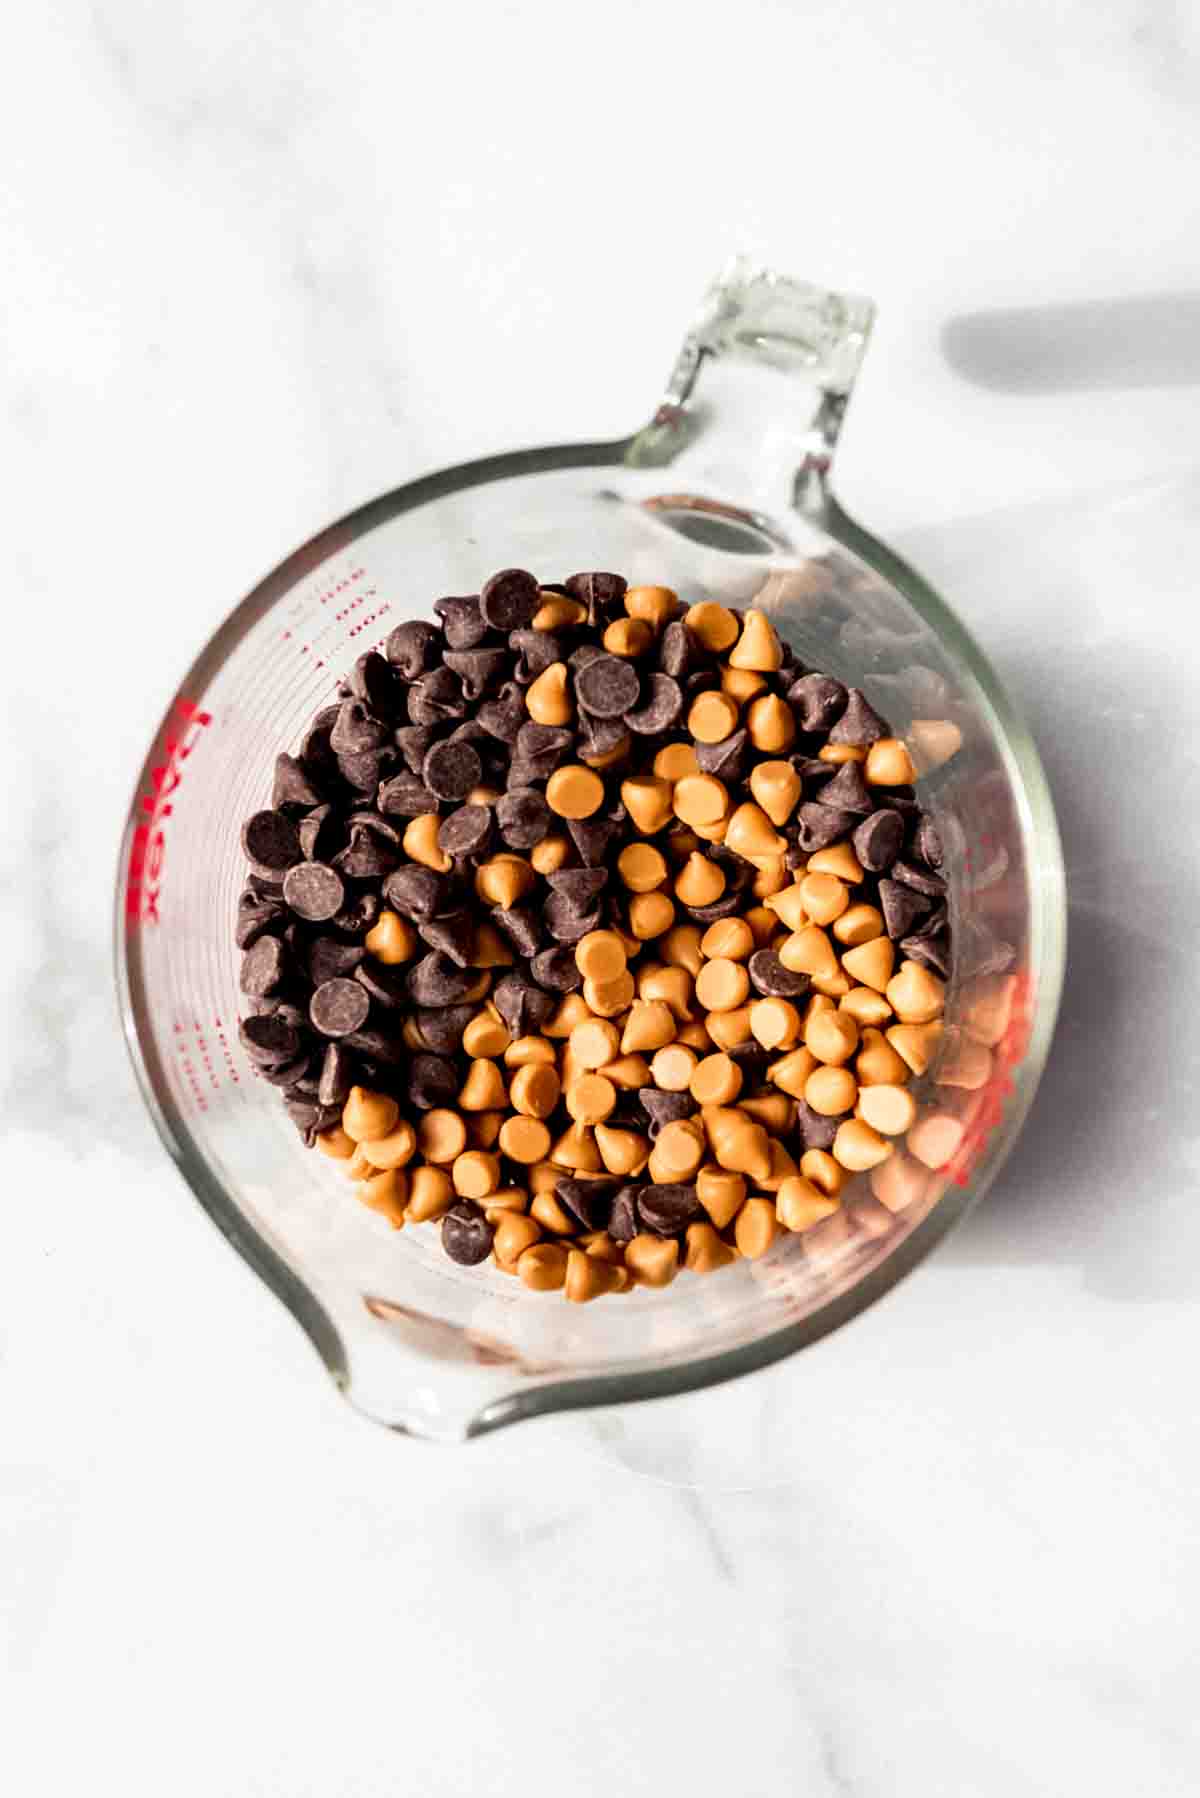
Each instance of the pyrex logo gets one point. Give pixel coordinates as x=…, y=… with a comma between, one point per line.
x=143, y=884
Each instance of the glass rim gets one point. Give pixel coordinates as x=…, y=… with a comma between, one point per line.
x=1047, y=961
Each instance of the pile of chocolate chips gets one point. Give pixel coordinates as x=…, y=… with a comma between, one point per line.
x=436, y=728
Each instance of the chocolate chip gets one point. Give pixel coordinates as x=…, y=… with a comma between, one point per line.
x=415, y=892
x=566, y=923
x=928, y=952
x=664, y=1108
x=263, y=967
x=257, y=917
x=413, y=648
x=358, y=914
x=510, y=599
x=442, y=1030
x=436, y=697
x=466, y=1234
x=384, y=982
x=860, y=723
x=813, y=771
x=769, y=977
x=921, y=880
x=436, y=980
x=271, y=843
x=878, y=840
x=523, y=1005
x=727, y=761
x=608, y=687
x=328, y=958
x=503, y=716
x=313, y=891
x=309, y=1117
x=934, y=925
x=285, y=1073
x=927, y=842
x=601, y=736
x=338, y=1007
x=677, y=650
x=579, y=658
x=666, y=1210
x=376, y=683
x=414, y=742
x=270, y=1041
x=848, y=791
x=465, y=831
x=453, y=935
x=406, y=796
x=579, y=887
x=593, y=838
x=601, y=593
x=432, y=1081
x=535, y=652
x=463, y=621
x=316, y=751
x=588, y=1200
x=293, y=785
x=357, y=729
x=662, y=707
x=364, y=769
x=337, y=1075
x=479, y=670
x=520, y=925
x=623, y=1223
x=724, y=907
x=556, y=969
x=523, y=817
x=367, y=856
x=817, y=700
x=817, y=826
x=815, y=1130
x=901, y=908
x=451, y=769
x=320, y=833
x=375, y=1045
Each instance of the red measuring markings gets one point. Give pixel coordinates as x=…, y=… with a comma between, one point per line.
x=143, y=885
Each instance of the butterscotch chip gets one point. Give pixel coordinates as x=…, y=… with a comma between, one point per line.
x=335, y=1142
x=681, y=948
x=775, y=1023
x=676, y=761
x=677, y=1152
x=721, y=1193
x=716, y=1080
x=756, y=1228
x=712, y=718
x=721, y=985
x=547, y=699
x=483, y=1129
x=588, y=1277
x=699, y=882
x=730, y=1028
x=866, y=1006
x=889, y=1109
x=641, y=867
x=628, y=1072
x=751, y=833
x=762, y=922
x=591, y=1099
x=503, y=880
x=484, y=1088
x=594, y=1042
x=534, y=1092
x=870, y=964
x=705, y=1250
x=551, y=854
x=474, y=1174
x=858, y=1147
x=823, y=897
x=514, y=1234
x=525, y=1139
x=622, y=1151
x=914, y=994
x=557, y=613
x=935, y=1140
x=441, y=1135
x=673, y=985
x=628, y=637
x=840, y=860
x=776, y=1112
x=650, y=1025
x=551, y=1215
x=543, y=1268
x=608, y=998
x=700, y=799
x=430, y=1194
x=391, y=940
x=368, y=1115
x=831, y=1091
x=528, y=1051
x=914, y=1043
x=777, y=787
x=788, y=907
x=671, y=1069
x=485, y=1036
x=770, y=724
x=809, y=951
x=714, y=626
x=731, y=938
x=889, y=764
x=653, y=1260
x=832, y=1036
x=650, y=916
x=860, y=924
x=757, y=647
x=741, y=684
x=574, y=792
x=656, y=605
x=387, y=1193
x=799, y=1204
x=790, y=1073
x=600, y=955
x=819, y=1166
x=647, y=799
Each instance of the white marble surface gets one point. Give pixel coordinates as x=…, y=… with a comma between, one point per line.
x=261, y=262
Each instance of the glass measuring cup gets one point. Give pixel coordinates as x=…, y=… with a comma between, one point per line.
x=725, y=493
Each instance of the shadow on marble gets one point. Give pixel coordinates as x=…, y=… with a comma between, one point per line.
x=1152, y=341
